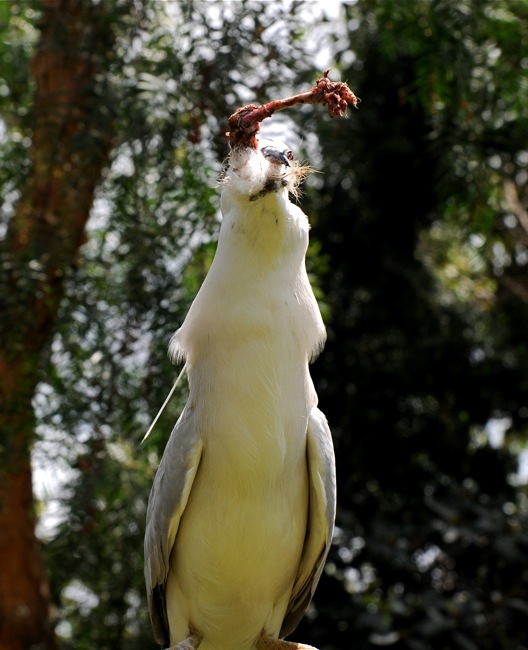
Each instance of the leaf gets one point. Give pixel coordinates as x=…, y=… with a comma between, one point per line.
x=5, y=16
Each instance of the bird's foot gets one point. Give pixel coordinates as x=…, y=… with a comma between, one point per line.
x=190, y=643
x=269, y=643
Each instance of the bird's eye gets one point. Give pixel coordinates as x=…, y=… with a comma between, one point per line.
x=289, y=154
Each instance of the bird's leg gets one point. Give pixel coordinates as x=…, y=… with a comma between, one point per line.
x=190, y=643
x=244, y=124
x=269, y=643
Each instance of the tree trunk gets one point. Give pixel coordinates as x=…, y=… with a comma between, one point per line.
x=70, y=145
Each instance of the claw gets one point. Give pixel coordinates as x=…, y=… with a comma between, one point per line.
x=269, y=643
x=190, y=643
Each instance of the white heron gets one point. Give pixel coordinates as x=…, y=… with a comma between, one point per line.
x=242, y=509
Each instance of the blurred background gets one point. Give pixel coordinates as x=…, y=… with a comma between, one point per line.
x=112, y=136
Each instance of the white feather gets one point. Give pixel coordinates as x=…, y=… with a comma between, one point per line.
x=241, y=551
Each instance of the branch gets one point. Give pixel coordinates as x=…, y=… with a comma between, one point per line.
x=244, y=124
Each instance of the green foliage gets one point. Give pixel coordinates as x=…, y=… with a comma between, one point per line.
x=149, y=245
x=97, y=581
x=425, y=349
x=17, y=37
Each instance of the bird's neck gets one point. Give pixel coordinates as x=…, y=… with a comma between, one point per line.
x=264, y=232
x=252, y=329
x=256, y=295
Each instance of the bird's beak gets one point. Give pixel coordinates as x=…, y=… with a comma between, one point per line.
x=276, y=156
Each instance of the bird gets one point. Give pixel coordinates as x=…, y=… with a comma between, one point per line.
x=242, y=507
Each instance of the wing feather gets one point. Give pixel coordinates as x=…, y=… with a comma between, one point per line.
x=321, y=516
x=168, y=499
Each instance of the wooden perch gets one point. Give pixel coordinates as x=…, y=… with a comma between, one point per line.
x=244, y=124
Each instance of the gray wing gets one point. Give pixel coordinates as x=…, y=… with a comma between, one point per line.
x=167, y=501
x=321, y=516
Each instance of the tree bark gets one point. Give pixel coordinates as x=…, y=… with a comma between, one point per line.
x=72, y=134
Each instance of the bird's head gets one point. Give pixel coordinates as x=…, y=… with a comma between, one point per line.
x=271, y=167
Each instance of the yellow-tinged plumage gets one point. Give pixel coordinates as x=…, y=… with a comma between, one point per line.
x=241, y=512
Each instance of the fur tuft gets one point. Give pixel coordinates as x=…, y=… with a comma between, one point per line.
x=250, y=173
